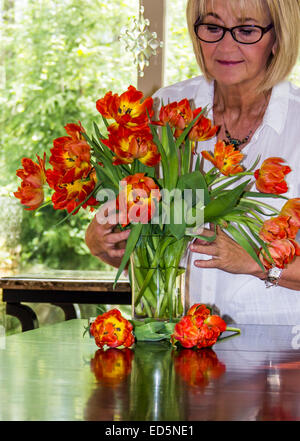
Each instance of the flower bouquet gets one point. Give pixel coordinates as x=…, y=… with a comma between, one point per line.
x=149, y=172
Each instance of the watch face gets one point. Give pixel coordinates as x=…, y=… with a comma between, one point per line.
x=275, y=272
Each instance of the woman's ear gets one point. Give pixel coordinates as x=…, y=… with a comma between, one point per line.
x=274, y=47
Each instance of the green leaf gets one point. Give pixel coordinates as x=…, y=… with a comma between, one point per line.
x=97, y=131
x=149, y=331
x=222, y=205
x=217, y=191
x=256, y=194
x=194, y=180
x=243, y=242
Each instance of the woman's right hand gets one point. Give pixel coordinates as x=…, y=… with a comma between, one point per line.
x=101, y=239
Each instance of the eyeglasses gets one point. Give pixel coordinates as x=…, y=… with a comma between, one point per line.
x=245, y=34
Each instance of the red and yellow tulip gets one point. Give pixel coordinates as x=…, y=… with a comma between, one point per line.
x=199, y=309
x=137, y=198
x=225, y=158
x=33, y=175
x=270, y=178
x=112, y=329
x=126, y=109
x=70, y=194
x=128, y=146
x=180, y=115
x=198, y=328
x=71, y=155
x=203, y=128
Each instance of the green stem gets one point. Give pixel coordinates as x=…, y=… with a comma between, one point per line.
x=262, y=204
x=223, y=178
x=233, y=329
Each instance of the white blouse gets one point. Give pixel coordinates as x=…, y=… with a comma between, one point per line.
x=244, y=299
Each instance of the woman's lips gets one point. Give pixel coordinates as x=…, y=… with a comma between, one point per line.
x=229, y=62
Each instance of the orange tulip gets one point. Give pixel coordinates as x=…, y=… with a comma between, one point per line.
x=215, y=320
x=192, y=331
x=128, y=146
x=136, y=201
x=199, y=310
x=278, y=228
x=33, y=175
x=270, y=177
x=208, y=335
x=292, y=209
x=178, y=115
x=112, y=329
x=186, y=332
x=225, y=158
x=127, y=109
x=71, y=155
x=203, y=129
x=282, y=251
x=69, y=194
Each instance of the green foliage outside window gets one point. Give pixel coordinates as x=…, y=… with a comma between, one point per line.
x=57, y=58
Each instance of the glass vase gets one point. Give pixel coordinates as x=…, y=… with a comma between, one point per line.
x=157, y=279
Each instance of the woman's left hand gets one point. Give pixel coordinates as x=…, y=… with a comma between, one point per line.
x=227, y=255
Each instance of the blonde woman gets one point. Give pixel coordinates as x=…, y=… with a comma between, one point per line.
x=245, y=50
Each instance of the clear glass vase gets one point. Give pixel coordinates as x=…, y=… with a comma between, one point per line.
x=157, y=279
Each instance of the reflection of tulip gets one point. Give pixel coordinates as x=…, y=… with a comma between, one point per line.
x=112, y=329
x=31, y=192
x=225, y=158
x=136, y=202
x=128, y=146
x=196, y=367
x=112, y=366
x=278, y=228
x=270, y=177
x=126, y=109
x=282, y=252
x=292, y=209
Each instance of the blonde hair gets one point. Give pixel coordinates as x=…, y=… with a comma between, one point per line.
x=285, y=15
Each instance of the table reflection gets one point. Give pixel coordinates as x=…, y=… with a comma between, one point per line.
x=150, y=382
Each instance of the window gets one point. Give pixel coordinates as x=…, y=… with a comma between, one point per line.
x=57, y=58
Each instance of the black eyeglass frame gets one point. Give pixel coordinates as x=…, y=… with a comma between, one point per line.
x=264, y=30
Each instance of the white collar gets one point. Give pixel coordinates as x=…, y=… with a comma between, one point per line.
x=277, y=110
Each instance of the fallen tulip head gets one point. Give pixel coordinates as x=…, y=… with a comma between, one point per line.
x=198, y=328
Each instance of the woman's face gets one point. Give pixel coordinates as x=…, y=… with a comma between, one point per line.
x=229, y=62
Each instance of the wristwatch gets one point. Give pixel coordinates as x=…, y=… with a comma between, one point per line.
x=273, y=276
